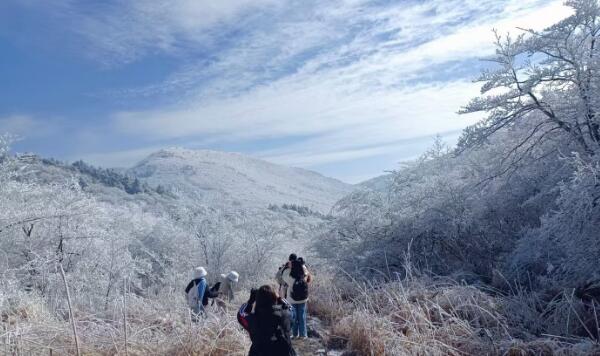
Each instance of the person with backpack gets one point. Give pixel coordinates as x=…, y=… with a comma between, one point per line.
x=283, y=287
x=267, y=319
x=196, y=291
x=297, y=278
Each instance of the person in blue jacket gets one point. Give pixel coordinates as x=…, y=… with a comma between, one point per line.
x=195, y=292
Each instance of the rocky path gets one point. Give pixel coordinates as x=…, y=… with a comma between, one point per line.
x=315, y=344
x=309, y=347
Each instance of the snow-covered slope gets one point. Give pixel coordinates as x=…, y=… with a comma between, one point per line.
x=231, y=178
x=380, y=183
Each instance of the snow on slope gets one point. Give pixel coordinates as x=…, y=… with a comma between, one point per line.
x=381, y=183
x=230, y=178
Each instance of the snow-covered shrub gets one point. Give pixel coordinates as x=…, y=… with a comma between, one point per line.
x=467, y=210
x=447, y=213
x=563, y=252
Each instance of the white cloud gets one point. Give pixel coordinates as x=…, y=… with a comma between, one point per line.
x=393, y=120
x=27, y=127
x=122, y=31
x=356, y=99
x=356, y=77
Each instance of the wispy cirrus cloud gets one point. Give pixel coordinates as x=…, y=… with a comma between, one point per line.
x=369, y=76
x=340, y=79
x=121, y=31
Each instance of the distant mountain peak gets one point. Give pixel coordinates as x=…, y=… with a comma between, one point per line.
x=234, y=178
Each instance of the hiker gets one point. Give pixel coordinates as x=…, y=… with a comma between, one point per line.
x=228, y=282
x=297, y=278
x=196, y=291
x=269, y=324
x=283, y=287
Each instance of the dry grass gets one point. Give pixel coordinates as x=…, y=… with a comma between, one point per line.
x=424, y=316
x=415, y=316
x=152, y=329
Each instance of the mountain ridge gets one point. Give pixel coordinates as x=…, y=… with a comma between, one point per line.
x=221, y=177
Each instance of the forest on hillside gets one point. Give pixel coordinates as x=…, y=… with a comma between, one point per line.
x=513, y=209
x=518, y=201
x=490, y=247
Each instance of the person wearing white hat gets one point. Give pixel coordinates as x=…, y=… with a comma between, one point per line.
x=195, y=291
x=228, y=282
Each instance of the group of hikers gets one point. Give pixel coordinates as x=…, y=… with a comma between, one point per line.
x=272, y=317
x=198, y=291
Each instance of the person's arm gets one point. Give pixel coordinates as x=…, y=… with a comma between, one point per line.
x=188, y=297
x=285, y=276
x=307, y=274
x=245, y=310
x=285, y=305
x=242, y=316
x=213, y=292
x=189, y=286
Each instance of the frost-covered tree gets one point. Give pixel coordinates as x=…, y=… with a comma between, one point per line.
x=44, y=226
x=447, y=213
x=5, y=142
x=262, y=238
x=549, y=76
x=519, y=195
x=214, y=235
x=563, y=252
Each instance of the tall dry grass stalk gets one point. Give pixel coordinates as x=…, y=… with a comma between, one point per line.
x=125, y=314
x=71, y=316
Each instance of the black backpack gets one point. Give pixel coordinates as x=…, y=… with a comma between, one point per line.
x=268, y=335
x=299, y=289
x=212, y=292
x=300, y=286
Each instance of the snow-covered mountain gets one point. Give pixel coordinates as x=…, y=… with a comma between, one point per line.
x=232, y=178
x=380, y=183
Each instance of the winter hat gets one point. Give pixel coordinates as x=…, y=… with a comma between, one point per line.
x=292, y=257
x=232, y=276
x=199, y=272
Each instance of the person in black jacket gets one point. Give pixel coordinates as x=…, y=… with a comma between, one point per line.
x=269, y=325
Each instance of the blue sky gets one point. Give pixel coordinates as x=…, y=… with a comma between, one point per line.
x=348, y=88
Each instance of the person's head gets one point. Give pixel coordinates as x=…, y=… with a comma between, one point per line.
x=297, y=269
x=232, y=277
x=266, y=297
x=292, y=257
x=199, y=272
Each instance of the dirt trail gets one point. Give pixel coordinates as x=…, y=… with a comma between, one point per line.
x=309, y=347
x=314, y=345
